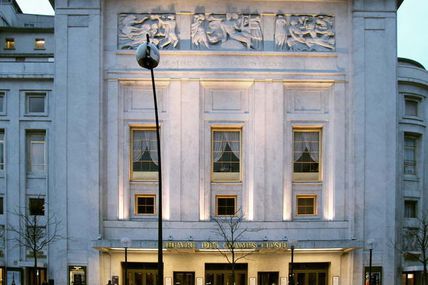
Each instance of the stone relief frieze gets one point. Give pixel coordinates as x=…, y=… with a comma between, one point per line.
x=134, y=27
x=304, y=33
x=231, y=31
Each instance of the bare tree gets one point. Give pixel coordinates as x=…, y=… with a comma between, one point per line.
x=34, y=232
x=416, y=244
x=231, y=230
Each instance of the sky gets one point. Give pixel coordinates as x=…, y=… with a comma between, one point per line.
x=412, y=30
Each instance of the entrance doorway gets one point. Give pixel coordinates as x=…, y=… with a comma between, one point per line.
x=141, y=273
x=184, y=278
x=221, y=274
x=311, y=273
x=268, y=278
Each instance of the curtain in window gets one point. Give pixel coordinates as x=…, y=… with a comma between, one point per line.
x=306, y=141
x=221, y=139
x=37, y=156
x=145, y=140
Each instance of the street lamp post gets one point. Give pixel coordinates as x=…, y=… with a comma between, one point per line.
x=291, y=275
x=148, y=57
x=370, y=246
x=125, y=242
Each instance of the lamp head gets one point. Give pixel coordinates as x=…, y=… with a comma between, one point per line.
x=148, y=55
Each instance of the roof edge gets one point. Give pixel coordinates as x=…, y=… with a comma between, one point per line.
x=411, y=61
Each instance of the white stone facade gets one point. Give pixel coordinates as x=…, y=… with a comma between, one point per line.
x=265, y=69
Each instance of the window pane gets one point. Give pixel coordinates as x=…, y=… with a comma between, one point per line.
x=1, y=103
x=411, y=108
x=145, y=205
x=40, y=44
x=1, y=206
x=306, y=155
x=306, y=205
x=144, y=153
x=36, y=153
x=410, y=209
x=410, y=155
x=1, y=150
x=9, y=44
x=36, y=206
x=226, y=206
x=36, y=104
x=226, y=151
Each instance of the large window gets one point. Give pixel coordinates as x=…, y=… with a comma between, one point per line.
x=36, y=152
x=9, y=43
x=306, y=154
x=226, y=155
x=410, y=155
x=144, y=164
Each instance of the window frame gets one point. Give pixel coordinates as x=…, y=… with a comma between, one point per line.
x=43, y=206
x=225, y=177
x=136, y=196
x=9, y=44
x=314, y=197
x=36, y=94
x=36, y=42
x=3, y=142
x=3, y=111
x=30, y=142
x=298, y=177
x=414, y=210
x=235, y=203
x=146, y=176
x=415, y=138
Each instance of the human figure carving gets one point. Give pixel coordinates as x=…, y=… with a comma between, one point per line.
x=199, y=35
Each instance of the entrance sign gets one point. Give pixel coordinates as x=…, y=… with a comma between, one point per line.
x=224, y=245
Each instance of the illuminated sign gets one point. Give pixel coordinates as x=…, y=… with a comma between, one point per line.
x=225, y=245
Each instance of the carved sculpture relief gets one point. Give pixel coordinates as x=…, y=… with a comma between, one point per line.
x=134, y=27
x=232, y=31
x=304, y=33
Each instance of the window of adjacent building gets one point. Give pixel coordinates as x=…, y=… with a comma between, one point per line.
x=225, y=205
x=306, y=155
x=1, y=206
x=9, y=43
x=36, y=206
x=39, y=44
x=2, y=152
x=306, y=205
x=411, y=107
x=35, y=104
x=410, y=155
x=36, y=152
x=2, y=103
x=226, y=155
x=144, y=164
x=410, y=208
x=145, y=204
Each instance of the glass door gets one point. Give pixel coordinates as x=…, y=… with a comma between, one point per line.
x=184, y=278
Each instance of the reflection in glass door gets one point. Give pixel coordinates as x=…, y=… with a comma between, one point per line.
x=184, y=278
x=268, y=278
x=311, y=273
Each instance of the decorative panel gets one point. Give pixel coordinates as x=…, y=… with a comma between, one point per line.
x=160, y=27
x=304, y=33
x=231, y=31
x=308, y=98
x=139, y=98
x=226, y=96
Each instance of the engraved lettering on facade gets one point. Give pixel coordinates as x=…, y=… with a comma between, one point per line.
x=304, y=33
x=232, y=31
x=134, y=27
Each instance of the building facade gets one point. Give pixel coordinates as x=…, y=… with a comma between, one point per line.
x=286, y=114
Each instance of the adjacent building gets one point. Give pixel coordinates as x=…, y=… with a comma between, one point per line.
x=294, y=115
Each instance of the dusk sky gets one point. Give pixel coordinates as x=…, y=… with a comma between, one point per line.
x=412, y=26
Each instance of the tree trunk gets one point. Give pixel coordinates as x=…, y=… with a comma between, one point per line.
x=233, y=267
x=35, y=277
x=424, y=275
